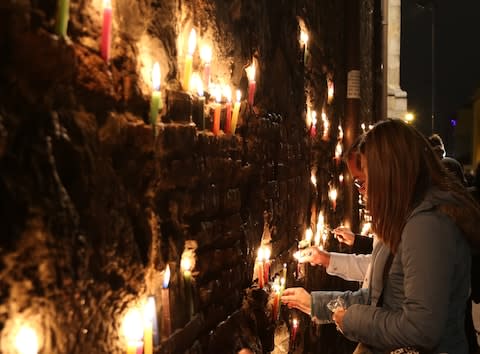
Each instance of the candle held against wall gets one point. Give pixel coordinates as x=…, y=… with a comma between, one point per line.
x=236, y=111
x=106, y=40
x=187, y=70
x=252, y=85
x=156, y=100
x=61, y=21
x=166, y=320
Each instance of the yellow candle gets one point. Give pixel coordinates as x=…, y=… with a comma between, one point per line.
x=61, y=22
x=236, y=110
x=150, y=324
x=187, y=73
x=133, y=330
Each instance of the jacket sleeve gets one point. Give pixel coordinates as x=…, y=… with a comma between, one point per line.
x=349, y=266
x=429, y=246
x=320, y=299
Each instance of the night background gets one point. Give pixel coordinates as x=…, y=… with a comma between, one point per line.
x=457, y=54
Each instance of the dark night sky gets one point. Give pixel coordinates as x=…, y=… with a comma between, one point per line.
x=457, y=60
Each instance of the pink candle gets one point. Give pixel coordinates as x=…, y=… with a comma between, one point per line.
x=106, y=40
x=252, y=85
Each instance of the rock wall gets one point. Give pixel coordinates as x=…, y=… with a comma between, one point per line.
x=94, y=205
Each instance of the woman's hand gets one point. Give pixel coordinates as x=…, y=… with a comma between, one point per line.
x=298, y=298
x=314, y=256
x=345, y=235
x=338, y=318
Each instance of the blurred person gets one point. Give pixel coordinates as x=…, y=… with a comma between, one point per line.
x=427, y=225
x=450, y=163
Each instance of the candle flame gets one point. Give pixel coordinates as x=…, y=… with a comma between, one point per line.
x=250, y=70
x=314, y=118
x=332, y=194
x=266, y=253
x=330, y=90
x=107, y=4
x=217, y=93
x=308, y=235
x=317, y=237
x=156, y=76
x=239, y=95
x=295, y=323
x=227, y=92
x=166, y=277
x=196, y=84
x=192, y=41
x=313, y=179
x=26, y=340
x=303, y=37
x=206, y=54
x=149, y=310
x=338, y=150
x=186, y=264
x=340, y=132
x=133, y=325
x=340, y=177
x=326, y=124
x=363, y=127
x=260, y=254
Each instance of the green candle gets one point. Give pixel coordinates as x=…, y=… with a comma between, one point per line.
x=61, y=23
x=156, y=101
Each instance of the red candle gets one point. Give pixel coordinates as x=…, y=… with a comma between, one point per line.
x=106, y=40
x=228, y=108
x=217, y=111
x=252, y=85
x=260, y=271
x=294, y=330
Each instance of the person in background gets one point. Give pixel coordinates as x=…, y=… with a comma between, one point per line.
x=427, y=225
x=450, y=163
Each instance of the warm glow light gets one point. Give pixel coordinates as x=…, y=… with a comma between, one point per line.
x=206, y=54
x=192, y=41
x=250, y=70
x=340, y=177
x=26, y=341
x=326, y=124
x=366, y=227
x=186, y=264
x=156, y=76
x=260, y=254
x=227, y=92
x=332, y=194
x=409, y=117
x=338, y=150
x=317, y=237
x=295, y=323
x=308, y=235
x=239, y=95
x=133, y=325
x=217, y=93
x=313, y=179
x=363, y=127
x=149, y=311
x=266, y=253
x=340, y=132
x=303, y=37
x=166, y=277
x=107, y=4
x=196, y=84
x=330, y=90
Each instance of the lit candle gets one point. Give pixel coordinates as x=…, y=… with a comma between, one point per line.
x=313, y=179
x=308, y=236
x=61, y=22
x=106, y=40
x=206, y=56
x=332, y=195
x=313, y=130
x=149, y=325
x=133, y=330
x=156, y=100
x=326, y=125
x=260, y=272
x=338, y=152
x=340, y=132
x=340, y=177
x=330, y=91
x=276, y=298
x=187, y=73
x=186, y=265
x=26, y=340
x=363, y=127
x=236, y=110
x=284, y=271
x=252, y=85
x=266, y=268
x=294, y=331
x=304, y=43
x=300, y=266
x=217, y=111
x=166, y=321
x=228, y=109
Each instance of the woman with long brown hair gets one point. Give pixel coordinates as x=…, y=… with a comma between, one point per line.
x=427, y=224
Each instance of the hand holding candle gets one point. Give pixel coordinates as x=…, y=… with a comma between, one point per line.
x=106, y=40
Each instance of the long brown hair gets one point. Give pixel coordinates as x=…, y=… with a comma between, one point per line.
x=401, y=167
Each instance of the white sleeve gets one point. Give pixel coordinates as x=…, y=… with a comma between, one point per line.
x=349, y=266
